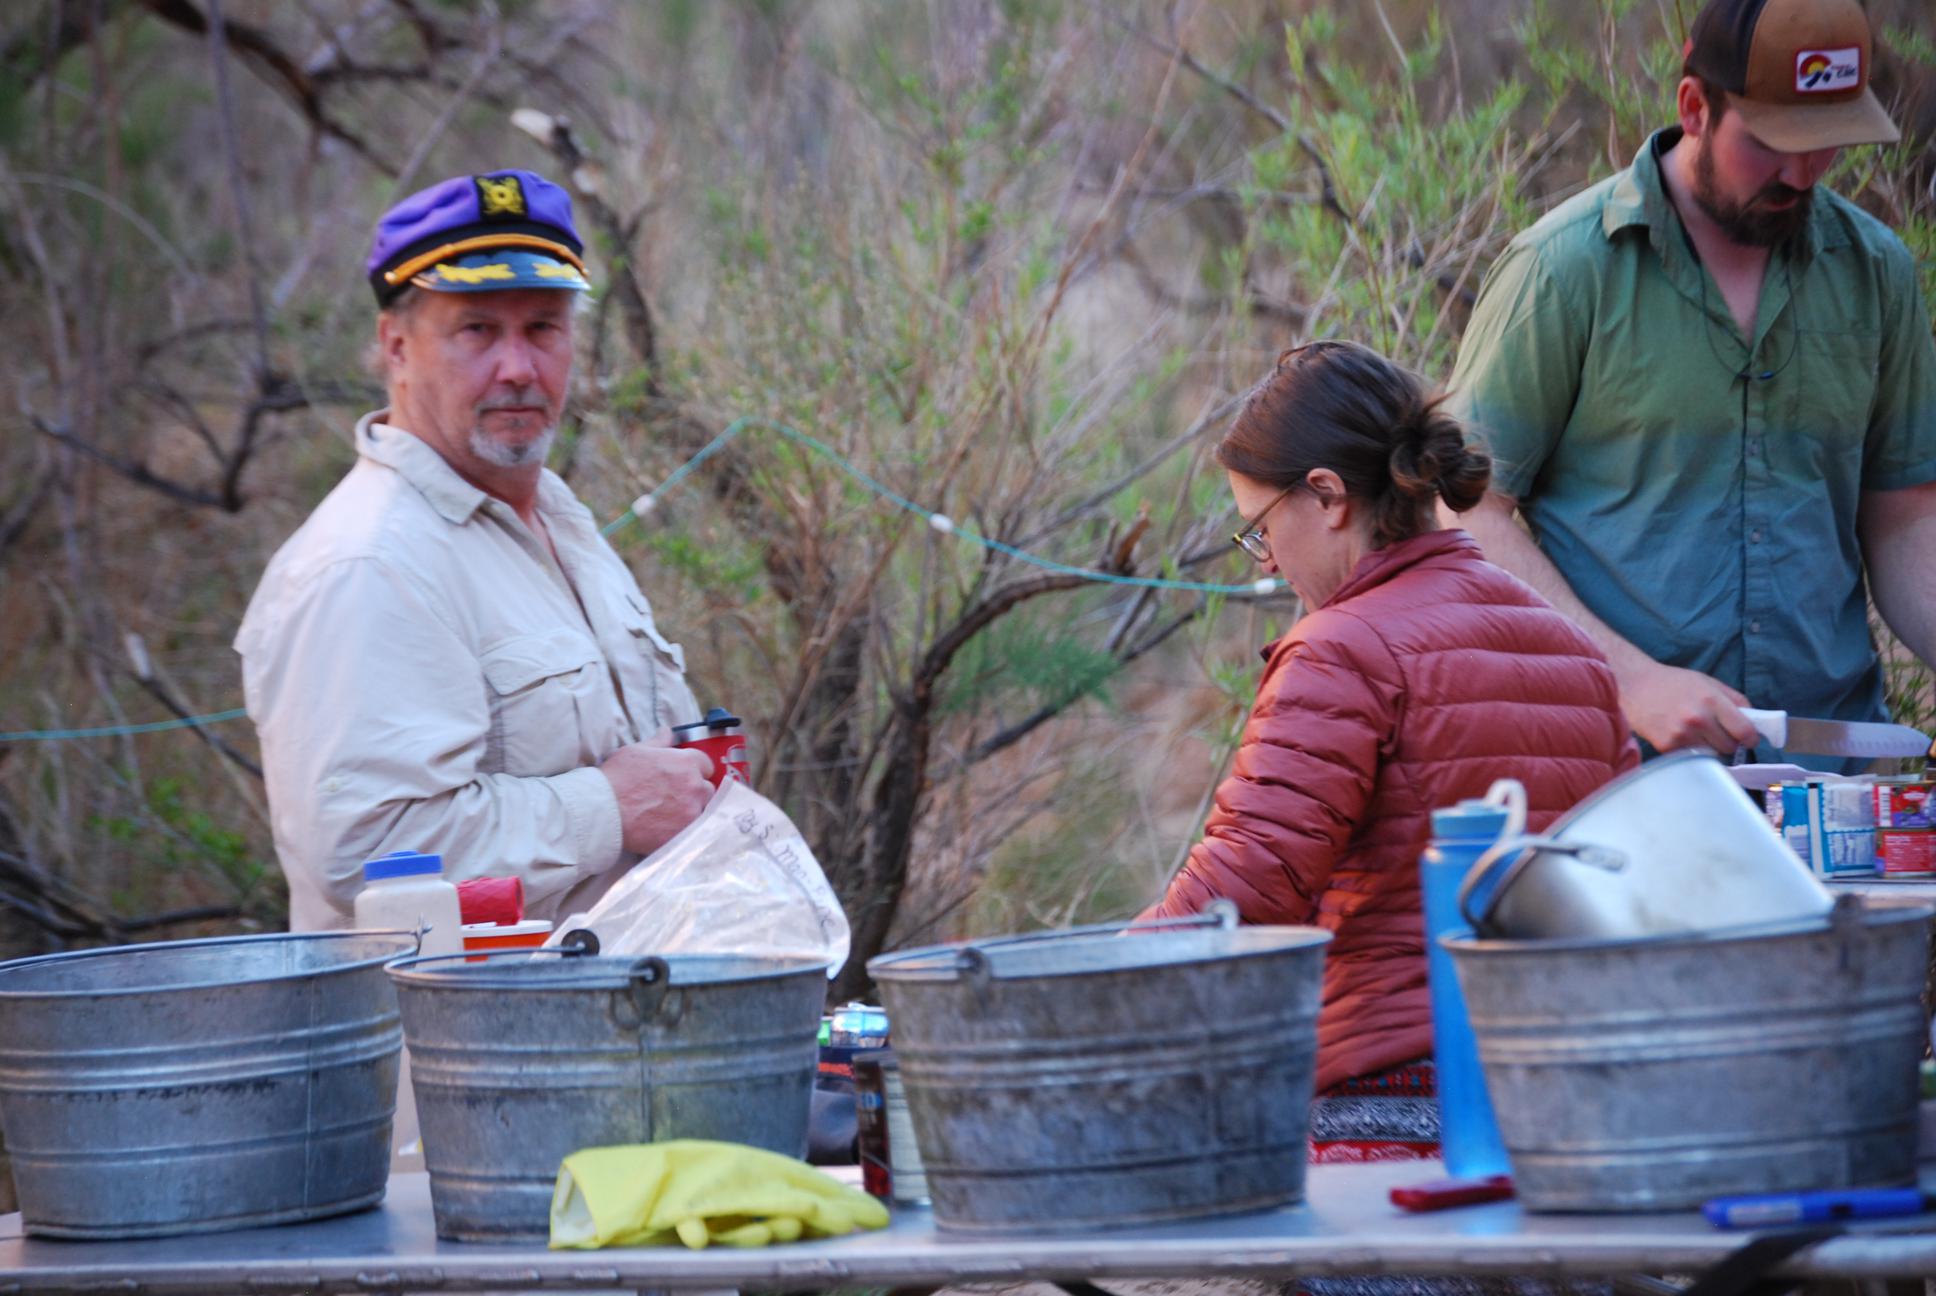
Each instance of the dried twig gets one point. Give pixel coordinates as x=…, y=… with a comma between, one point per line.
x=139, y=473
x=585, y=176
x=20, y=514
x=275, y=68
x=218, y=52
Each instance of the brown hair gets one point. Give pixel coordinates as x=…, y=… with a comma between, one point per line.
x=1715, y=94
x=1342, y=406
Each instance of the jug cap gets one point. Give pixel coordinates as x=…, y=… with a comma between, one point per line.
x=403, y=863
x=1472, y=817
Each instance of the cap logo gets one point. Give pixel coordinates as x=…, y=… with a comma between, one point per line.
x=473, y=274
x=499, y=196
x=1825, y=71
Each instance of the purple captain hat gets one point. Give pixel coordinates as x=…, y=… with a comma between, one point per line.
x=478, y=233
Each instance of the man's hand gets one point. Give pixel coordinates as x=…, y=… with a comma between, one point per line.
x=1673, y=708
x=660, y=790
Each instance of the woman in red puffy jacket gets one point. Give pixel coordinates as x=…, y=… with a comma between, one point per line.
x=1418, y=675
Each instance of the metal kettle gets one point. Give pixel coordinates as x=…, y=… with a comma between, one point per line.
x=1674, y=846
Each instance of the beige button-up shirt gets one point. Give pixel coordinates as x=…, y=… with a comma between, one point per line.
x=424, y=675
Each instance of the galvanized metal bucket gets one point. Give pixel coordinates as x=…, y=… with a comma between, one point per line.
x=1653, y=1074
x=1092, y=1078
x=200, y=1085
x=528, y=1056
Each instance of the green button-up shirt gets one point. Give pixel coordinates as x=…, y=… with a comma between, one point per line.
x=1699, y=490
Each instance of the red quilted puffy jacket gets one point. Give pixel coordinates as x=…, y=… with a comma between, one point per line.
x=1427, y=675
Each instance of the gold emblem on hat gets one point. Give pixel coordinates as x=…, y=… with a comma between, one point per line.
x=470, y=274
x=500, y=196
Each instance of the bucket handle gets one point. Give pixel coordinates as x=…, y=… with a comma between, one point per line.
x=1524, y=849
x=645, y=997
x=568, y=950
x=1220, y=914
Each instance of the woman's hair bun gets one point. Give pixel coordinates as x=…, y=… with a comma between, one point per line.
x=1342, y=406
x=1430, y=457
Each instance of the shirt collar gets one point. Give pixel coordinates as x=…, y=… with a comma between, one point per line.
x=1380, y=565
x=1639, y=197
x=455, y=499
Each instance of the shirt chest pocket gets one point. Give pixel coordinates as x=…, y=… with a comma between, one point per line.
x=1832, y=404
x=654, y=678
x=551, y=705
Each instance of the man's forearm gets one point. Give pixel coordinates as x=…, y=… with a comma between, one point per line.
x=1899, y=549
x=1507, y=544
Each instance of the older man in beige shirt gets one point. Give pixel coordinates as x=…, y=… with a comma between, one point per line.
x=447, y=656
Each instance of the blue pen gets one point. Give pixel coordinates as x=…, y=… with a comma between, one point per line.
x=1771, y=1210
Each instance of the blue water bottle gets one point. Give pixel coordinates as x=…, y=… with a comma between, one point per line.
x=1468, y=1134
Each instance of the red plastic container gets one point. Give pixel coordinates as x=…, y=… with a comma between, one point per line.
x=721, y=737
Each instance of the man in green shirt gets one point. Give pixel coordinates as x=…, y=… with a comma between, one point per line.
x=1710, y=388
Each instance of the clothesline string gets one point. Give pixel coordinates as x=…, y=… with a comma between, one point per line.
x=939, y=522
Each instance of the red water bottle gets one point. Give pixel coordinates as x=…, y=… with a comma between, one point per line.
x=720, y=736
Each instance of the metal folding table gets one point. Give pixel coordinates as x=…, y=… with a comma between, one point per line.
x=1346, y=1227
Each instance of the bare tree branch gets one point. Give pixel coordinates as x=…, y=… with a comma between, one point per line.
x=238, y=192
x=20, y=514
x=138, y=473
x=34, y=50
x=274, y=67
x=1327, y=188
x=162, y=694
x=584, y=177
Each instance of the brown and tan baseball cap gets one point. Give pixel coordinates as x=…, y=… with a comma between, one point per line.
x=1796, y=70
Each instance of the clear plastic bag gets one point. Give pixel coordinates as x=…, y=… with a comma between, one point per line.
x=739, y=879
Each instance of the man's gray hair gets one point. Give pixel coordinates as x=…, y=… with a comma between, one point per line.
x=405, y=303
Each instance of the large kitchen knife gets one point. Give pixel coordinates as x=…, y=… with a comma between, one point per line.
x=1837, y=737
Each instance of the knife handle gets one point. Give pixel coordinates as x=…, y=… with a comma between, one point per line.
x=1772, y=725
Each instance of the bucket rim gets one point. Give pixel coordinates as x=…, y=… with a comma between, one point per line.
x=918, y=964
x=14, y=967
x=1891, y=910
x=597, y=971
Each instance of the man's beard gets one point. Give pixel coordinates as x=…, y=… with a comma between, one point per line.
x=504, y=454
x=1744, y=223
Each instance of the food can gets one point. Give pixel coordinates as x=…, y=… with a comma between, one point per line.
x=1903, y=803
x=1906, y=852
x=890, y=1161
x=870, y=1117
x=850, y=1029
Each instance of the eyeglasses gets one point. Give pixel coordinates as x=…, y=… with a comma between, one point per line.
x=1252, y=539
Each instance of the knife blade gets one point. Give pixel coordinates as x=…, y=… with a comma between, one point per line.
x=1837, y=737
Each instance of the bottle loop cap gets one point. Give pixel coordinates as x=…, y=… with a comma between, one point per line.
x=403, y=863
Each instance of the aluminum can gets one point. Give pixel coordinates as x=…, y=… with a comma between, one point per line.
x=721, y=736
x=1904, y=803
x=1906, y=852
x=851, y=1029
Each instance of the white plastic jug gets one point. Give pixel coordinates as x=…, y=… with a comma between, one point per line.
x=407, y=891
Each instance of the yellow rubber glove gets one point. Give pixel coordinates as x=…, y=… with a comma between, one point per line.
x=699, y=1193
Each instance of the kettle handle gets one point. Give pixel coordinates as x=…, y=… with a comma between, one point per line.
x=1524, y=850
x=1518, y=845
x=1510, y=794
